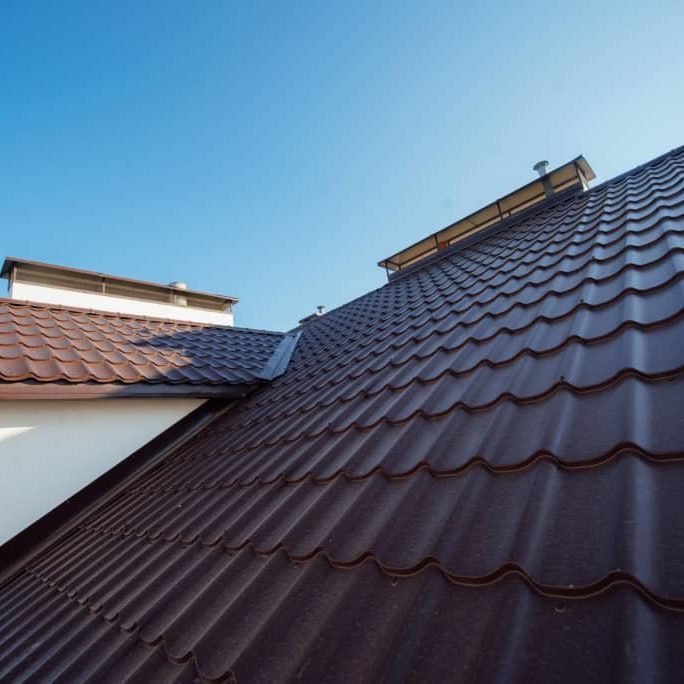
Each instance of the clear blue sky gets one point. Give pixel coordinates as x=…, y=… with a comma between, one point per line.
x=278, y=152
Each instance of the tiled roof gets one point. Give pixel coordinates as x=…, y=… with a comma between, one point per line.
x=473, y=473
x=49, y=350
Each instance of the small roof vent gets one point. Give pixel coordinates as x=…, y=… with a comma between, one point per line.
x=541, y=167
x=178, y=298
x=320, y=310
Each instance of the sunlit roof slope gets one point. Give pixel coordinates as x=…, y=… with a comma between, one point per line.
x=48, y=351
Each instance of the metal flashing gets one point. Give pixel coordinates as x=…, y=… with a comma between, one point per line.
x=278, y=362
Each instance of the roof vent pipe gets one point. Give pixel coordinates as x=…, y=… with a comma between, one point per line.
x=541, y=167
x=320, y=310
x=176, y=298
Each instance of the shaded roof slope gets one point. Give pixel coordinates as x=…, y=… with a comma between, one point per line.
x=472, y=473
x=49, y=350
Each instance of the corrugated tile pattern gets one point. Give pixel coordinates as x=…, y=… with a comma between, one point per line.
x=470, y=474
x=47, y=343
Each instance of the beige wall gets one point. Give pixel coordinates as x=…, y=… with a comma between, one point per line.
x=50, y=450
x=91, y=300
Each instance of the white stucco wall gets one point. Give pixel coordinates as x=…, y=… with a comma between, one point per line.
x=49, y=450
x=138, y=307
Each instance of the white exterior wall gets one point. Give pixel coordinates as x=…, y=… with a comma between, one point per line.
x=49, y=450
x=91, y=300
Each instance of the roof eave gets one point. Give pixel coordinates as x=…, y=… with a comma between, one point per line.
x=26, y=390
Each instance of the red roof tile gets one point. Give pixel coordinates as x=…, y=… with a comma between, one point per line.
x=55, y=351
x=471, y=474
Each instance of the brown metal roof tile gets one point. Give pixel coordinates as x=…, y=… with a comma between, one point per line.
x=16, y=367
x=89, y=347
x=401, y=522
x=274, y=620
x=471, y=474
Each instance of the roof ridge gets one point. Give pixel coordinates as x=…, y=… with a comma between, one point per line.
x=551, y=203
